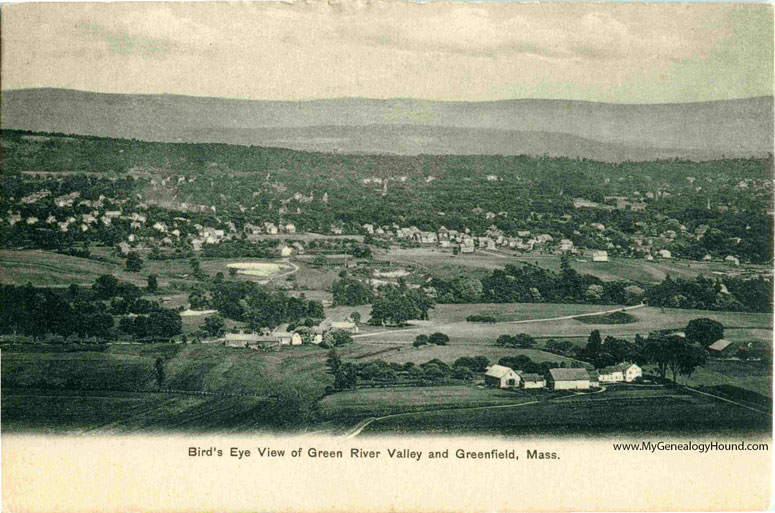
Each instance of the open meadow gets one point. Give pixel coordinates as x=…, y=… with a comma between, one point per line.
x=349, y=407
x=541, y=321
x=46, y=268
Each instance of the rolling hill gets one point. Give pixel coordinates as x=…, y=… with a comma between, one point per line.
x=600, y=131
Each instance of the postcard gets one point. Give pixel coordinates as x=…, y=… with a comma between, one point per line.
x=379, y=256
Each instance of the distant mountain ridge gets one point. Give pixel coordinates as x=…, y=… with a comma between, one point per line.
x=600, y=131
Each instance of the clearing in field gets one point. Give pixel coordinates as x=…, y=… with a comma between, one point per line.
x=260, y=269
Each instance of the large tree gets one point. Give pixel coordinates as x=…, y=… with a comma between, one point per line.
x=594, y=345
x=133, y=262
x=704, y=331
x=671, y=352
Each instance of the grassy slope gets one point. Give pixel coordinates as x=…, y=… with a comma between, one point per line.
x=52, y=269
x=114, y=389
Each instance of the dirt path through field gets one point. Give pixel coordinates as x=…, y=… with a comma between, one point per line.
x=569, y=317
x=727, y=400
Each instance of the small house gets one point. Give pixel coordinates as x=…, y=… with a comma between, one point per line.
x=610, y=375
x=566, y=245
x=722, y=347
x=732, y=260
x=501, y=377
x=344, y=325
x=532, y=381
x=600, y=256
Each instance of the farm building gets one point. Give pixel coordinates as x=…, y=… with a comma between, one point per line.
x=610, y=375
x=664, y=253
x=568, y=379
x=344, y=325
x=600, y=256
x=289, y=339
x=343, y=260
x=532, y=381
x=566, y=245
x=722, y=347
x=627, y=372
x=732, y=260
x=248, y=339
x=501, y=377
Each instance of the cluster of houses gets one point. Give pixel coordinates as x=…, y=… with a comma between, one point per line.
x=499, y=376
x=270, y=228
x=494, y=239
x=281, y=336
x=614, y=203
x=464, y=240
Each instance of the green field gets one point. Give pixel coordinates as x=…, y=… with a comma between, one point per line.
x=754, y=376
x=442, y=262
x=653, y=411
x=43, y=268
x=449, y=319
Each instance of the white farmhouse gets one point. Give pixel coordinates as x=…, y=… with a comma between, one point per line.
x=626, y=372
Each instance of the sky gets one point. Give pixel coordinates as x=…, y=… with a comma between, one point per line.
x=624, y=53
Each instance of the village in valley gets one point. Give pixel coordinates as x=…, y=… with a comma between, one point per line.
x=252, y=299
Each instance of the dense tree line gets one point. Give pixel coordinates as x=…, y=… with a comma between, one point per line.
x=733, y=294
x=397, y=304
x=85, y=313
x=254, y=304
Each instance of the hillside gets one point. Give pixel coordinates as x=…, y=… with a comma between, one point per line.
x=600, y=131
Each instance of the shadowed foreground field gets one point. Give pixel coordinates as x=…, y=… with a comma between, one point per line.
x=63, y=411
x=648, y=411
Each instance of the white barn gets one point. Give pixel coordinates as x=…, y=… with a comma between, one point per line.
x=568, y=379
x=501, y=377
